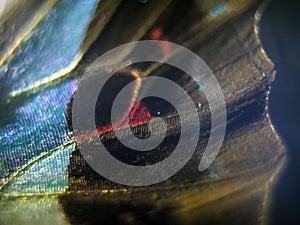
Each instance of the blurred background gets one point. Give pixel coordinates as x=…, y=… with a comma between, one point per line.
x=280, y=37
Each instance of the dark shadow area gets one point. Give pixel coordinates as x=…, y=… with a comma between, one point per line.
x=98, y=211
x=280, y=35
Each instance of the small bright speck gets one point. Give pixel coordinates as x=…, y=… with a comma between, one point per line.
x=218, y=9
